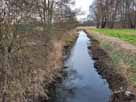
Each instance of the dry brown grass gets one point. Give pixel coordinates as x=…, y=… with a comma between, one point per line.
x=33, y=69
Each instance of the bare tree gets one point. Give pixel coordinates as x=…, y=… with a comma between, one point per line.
x=110, y=13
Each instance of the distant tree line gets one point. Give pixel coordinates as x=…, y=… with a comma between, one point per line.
x=87, y=23
x=114, y=13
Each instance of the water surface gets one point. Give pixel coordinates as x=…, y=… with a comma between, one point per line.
x=82, y=83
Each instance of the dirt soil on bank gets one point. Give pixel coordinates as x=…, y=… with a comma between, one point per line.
x=117, y=82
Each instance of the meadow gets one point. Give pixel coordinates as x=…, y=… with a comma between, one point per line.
x=128, y=35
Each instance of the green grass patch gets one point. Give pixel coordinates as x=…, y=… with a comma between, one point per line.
x=128, y=35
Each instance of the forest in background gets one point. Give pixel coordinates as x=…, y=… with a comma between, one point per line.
x=114, y=13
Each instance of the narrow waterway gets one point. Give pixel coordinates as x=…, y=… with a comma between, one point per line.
x=82, y=82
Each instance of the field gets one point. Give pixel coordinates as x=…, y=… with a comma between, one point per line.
x=128, y=35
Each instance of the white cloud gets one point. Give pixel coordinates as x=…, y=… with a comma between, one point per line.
x=84, y=6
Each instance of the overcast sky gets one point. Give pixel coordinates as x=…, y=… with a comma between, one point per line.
x=84, y=5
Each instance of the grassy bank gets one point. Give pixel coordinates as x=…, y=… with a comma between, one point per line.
x=128, y=35
x=117, y=43
x=63, y=41
x=34, y=64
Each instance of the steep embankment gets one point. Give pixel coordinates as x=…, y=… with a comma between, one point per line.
x=56, y=57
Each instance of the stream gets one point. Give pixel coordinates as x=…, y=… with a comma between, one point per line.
x=82, y=82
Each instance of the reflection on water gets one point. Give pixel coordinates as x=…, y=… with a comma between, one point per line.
x=83, y=83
